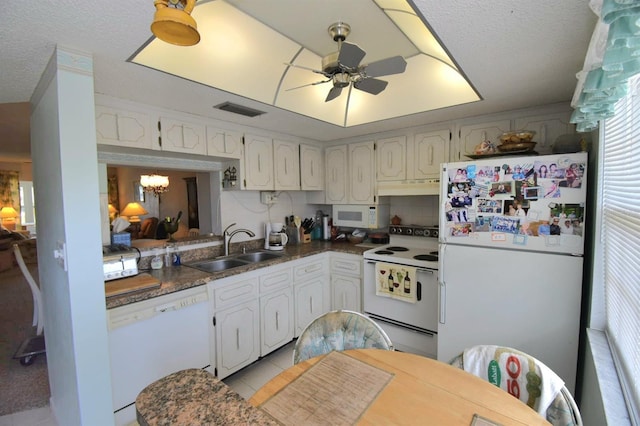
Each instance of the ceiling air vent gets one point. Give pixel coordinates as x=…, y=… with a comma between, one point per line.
x=239, y=109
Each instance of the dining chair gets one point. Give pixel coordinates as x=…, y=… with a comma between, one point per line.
x=338, y=331
x=38, y=315
x=562, y=409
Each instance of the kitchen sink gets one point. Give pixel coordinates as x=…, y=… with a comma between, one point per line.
x=229, y=262
x=218, y=265
x=258, y=256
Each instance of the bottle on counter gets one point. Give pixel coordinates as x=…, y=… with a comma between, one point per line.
x=170, y=250
x=156, y=260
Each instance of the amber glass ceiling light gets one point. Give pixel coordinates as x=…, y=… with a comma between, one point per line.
x=155, y=184
x=173, y=23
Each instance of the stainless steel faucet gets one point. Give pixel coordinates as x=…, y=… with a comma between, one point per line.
x=228, y=235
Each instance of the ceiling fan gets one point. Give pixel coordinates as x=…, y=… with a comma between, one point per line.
x=343, y=67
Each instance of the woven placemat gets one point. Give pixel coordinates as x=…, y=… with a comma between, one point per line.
x=338, y=389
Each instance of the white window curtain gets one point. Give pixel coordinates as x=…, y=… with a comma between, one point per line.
x=620, y=184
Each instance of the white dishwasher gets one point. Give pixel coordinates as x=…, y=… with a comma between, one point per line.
x=153, y=338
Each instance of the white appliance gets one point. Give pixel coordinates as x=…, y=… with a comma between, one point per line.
x=275, y=238
x=361, y=216
x=153, y=338
x=412, y=327
x=510, y=256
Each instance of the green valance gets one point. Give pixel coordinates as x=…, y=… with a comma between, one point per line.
x=614, y=57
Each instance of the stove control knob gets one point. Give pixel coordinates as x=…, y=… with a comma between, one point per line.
x=426, y=233
x=434, y=233
x=409, y=231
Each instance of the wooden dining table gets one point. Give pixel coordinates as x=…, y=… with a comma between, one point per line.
x=379, y=387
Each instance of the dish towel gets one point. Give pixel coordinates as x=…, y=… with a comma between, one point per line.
x=396, y=281
x=521, y=375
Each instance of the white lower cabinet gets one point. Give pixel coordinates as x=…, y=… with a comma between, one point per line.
x=237, y=337
x=311, y=289
x=236, y=322
x=346, y=282
x=276, y=308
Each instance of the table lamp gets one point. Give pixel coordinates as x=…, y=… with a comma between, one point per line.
x=8, y=216
x=132, y=211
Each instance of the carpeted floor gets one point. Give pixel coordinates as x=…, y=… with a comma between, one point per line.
x=21, y=387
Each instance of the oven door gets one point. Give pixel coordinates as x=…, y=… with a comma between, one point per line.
x=419, y=316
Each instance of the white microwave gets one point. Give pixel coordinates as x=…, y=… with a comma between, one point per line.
x=361, y=216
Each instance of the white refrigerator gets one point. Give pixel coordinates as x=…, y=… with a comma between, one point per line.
x=510, y=256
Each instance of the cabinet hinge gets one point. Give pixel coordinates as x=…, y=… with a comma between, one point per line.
x=450, y=135
x=214, y=321
x=215, y=371
x=242, y=139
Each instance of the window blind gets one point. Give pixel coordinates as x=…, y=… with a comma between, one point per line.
x=620, y=184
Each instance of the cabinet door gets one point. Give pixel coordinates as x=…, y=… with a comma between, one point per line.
x=237, y=337
x=286, y=157
x=345, y=293
x=310, y=302
x=223, y=143
x=336, y=176
x=547, y=127
x=311, y=168
x=180, y=136
x=258, y=163
x=361, y=170
x=427, y=152
x=469, y=136
x=123, y=128
x=276, y=314
x=391, y=156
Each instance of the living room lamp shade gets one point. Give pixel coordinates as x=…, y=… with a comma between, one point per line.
x=175, y=25
x=8, y=215
x=155, y=184
x=132, y=211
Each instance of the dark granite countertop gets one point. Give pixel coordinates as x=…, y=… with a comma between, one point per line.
x=195, y=397
x=183, y=277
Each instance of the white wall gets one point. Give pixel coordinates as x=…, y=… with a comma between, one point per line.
x=67, y=195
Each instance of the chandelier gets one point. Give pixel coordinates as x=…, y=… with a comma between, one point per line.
x=155, y=184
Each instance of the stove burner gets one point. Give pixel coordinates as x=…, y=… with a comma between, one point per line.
x=383, y=252
x=426, y=257
x=397, y=248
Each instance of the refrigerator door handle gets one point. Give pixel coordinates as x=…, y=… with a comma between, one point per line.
x=443, y=302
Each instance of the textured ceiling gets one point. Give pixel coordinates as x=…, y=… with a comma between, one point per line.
x=516, y=54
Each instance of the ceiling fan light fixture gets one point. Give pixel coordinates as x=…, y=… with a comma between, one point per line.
x=173, y=25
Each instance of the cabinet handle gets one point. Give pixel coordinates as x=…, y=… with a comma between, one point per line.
x=277, y=322
x=431, y=155
x=543, y=134
x=259, y=161
x=311, y=168
x=359, y=174
x=183, y=140
x=285, y=166
x=117, y=127
x=238, y=338
x=389, y=160
x=311, y=304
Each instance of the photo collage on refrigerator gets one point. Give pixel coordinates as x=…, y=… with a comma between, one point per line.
x=517, y=199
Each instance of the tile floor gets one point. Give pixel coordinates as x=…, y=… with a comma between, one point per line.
x=246, y=382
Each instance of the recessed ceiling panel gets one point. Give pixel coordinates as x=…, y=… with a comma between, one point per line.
x=246, y=45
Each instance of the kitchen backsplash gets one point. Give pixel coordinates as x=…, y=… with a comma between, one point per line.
x=415, y=210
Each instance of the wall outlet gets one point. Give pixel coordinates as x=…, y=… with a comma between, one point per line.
x=268, y=197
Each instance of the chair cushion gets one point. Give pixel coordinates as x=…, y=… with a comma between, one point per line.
x=339, y=331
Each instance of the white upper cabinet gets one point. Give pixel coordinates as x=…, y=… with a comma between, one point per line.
x=426, y=152
x=311, y=168
x=286, y=157
x=471, y=135
x=391, y=156
x=362, y=173
x=224, y=143
x=120, y=127
x=182, y=136
x=258, y=163
x=336, y=189
x=547, y=127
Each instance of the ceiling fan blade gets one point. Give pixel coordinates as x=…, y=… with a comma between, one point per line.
x=371, y=85
x=333, y=93
x=389, y=66
x=310, y=84
x=350, y=55
x=306, y=68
